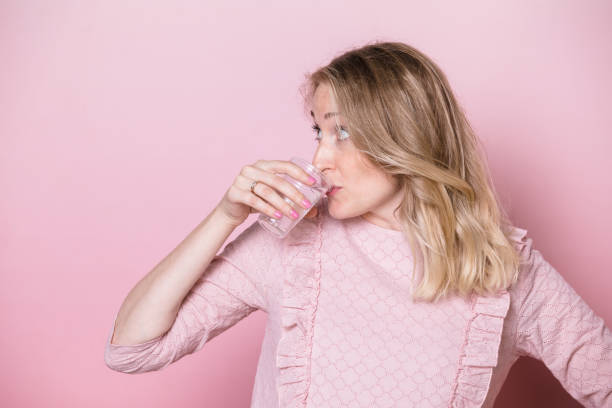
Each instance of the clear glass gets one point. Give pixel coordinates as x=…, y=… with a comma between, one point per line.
x=281, y=227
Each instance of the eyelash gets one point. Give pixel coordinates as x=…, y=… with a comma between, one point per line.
x=317, y=129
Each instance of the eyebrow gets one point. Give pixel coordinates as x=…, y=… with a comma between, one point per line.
x=326, y=116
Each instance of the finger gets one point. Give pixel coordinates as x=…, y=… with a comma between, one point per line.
x=270, y=196
x=257, y=204
x=276, y=182
x=286, y=167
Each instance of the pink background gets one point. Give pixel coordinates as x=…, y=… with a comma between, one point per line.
x=123, y=123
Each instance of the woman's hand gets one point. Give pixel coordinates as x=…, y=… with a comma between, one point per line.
x=238, y=201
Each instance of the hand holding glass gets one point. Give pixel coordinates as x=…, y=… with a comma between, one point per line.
x=281, y=227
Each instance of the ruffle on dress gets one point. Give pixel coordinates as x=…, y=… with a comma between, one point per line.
x=523, y=243
x=480, y=350
x=483, y=337
x=302, y=266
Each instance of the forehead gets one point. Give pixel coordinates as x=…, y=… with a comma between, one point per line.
x=323, y=103
x=323, y=94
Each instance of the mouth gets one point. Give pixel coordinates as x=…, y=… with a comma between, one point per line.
x=333, y=190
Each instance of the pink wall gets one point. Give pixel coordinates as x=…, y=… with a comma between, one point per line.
x=123, y=123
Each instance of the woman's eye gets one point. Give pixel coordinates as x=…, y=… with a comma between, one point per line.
x=342, y=132
x=317, y=131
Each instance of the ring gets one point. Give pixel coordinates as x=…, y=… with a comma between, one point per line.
x=253, y=187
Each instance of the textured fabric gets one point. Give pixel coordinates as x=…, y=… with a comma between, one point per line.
x=342, y=330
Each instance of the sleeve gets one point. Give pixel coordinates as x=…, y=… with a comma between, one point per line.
x=231, y=288
x=557, y=327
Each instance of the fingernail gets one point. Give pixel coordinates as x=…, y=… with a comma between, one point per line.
x=306, y=203
x=311, y=179
x=278, y=214
x=294, y=214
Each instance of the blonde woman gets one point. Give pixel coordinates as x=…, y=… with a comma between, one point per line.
x=406, y=287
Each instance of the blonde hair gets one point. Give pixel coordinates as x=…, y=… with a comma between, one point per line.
x=402, y=115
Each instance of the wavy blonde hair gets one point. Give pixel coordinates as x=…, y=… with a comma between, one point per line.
x=402, y=115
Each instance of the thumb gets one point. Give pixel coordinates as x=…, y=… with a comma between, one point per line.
x=312, y=213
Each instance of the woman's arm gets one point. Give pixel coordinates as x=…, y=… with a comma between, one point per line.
x=557, y=327
x=235, y=284
x=152, y=305
x=193, y=294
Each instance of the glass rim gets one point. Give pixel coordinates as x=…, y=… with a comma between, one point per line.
x=309, y=165
x=312, y=169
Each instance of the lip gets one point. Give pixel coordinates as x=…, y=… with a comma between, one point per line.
x=333, y=190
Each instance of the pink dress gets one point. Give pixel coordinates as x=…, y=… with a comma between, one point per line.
x=342, y=330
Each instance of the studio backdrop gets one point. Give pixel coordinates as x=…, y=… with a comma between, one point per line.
x=123, y=123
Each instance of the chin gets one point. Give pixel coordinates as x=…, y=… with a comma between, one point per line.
x=334, y=209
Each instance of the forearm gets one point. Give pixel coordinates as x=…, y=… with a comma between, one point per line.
x=151, y=306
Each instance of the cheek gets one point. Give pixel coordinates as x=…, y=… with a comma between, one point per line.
x=372, y=186
x=357, y=173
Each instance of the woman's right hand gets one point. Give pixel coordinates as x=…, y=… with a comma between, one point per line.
x=238, y=201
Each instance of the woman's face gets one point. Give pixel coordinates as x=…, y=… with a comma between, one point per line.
x=364, y=190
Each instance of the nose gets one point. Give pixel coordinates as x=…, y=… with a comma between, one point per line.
x=324, y=157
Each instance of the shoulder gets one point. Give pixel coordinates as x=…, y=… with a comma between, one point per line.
x=538, y=281
x=527, y=270
x=528, y=255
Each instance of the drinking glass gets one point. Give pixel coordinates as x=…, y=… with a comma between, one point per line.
x=281, y=227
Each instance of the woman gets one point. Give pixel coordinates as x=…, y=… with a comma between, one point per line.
x=407, y=286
